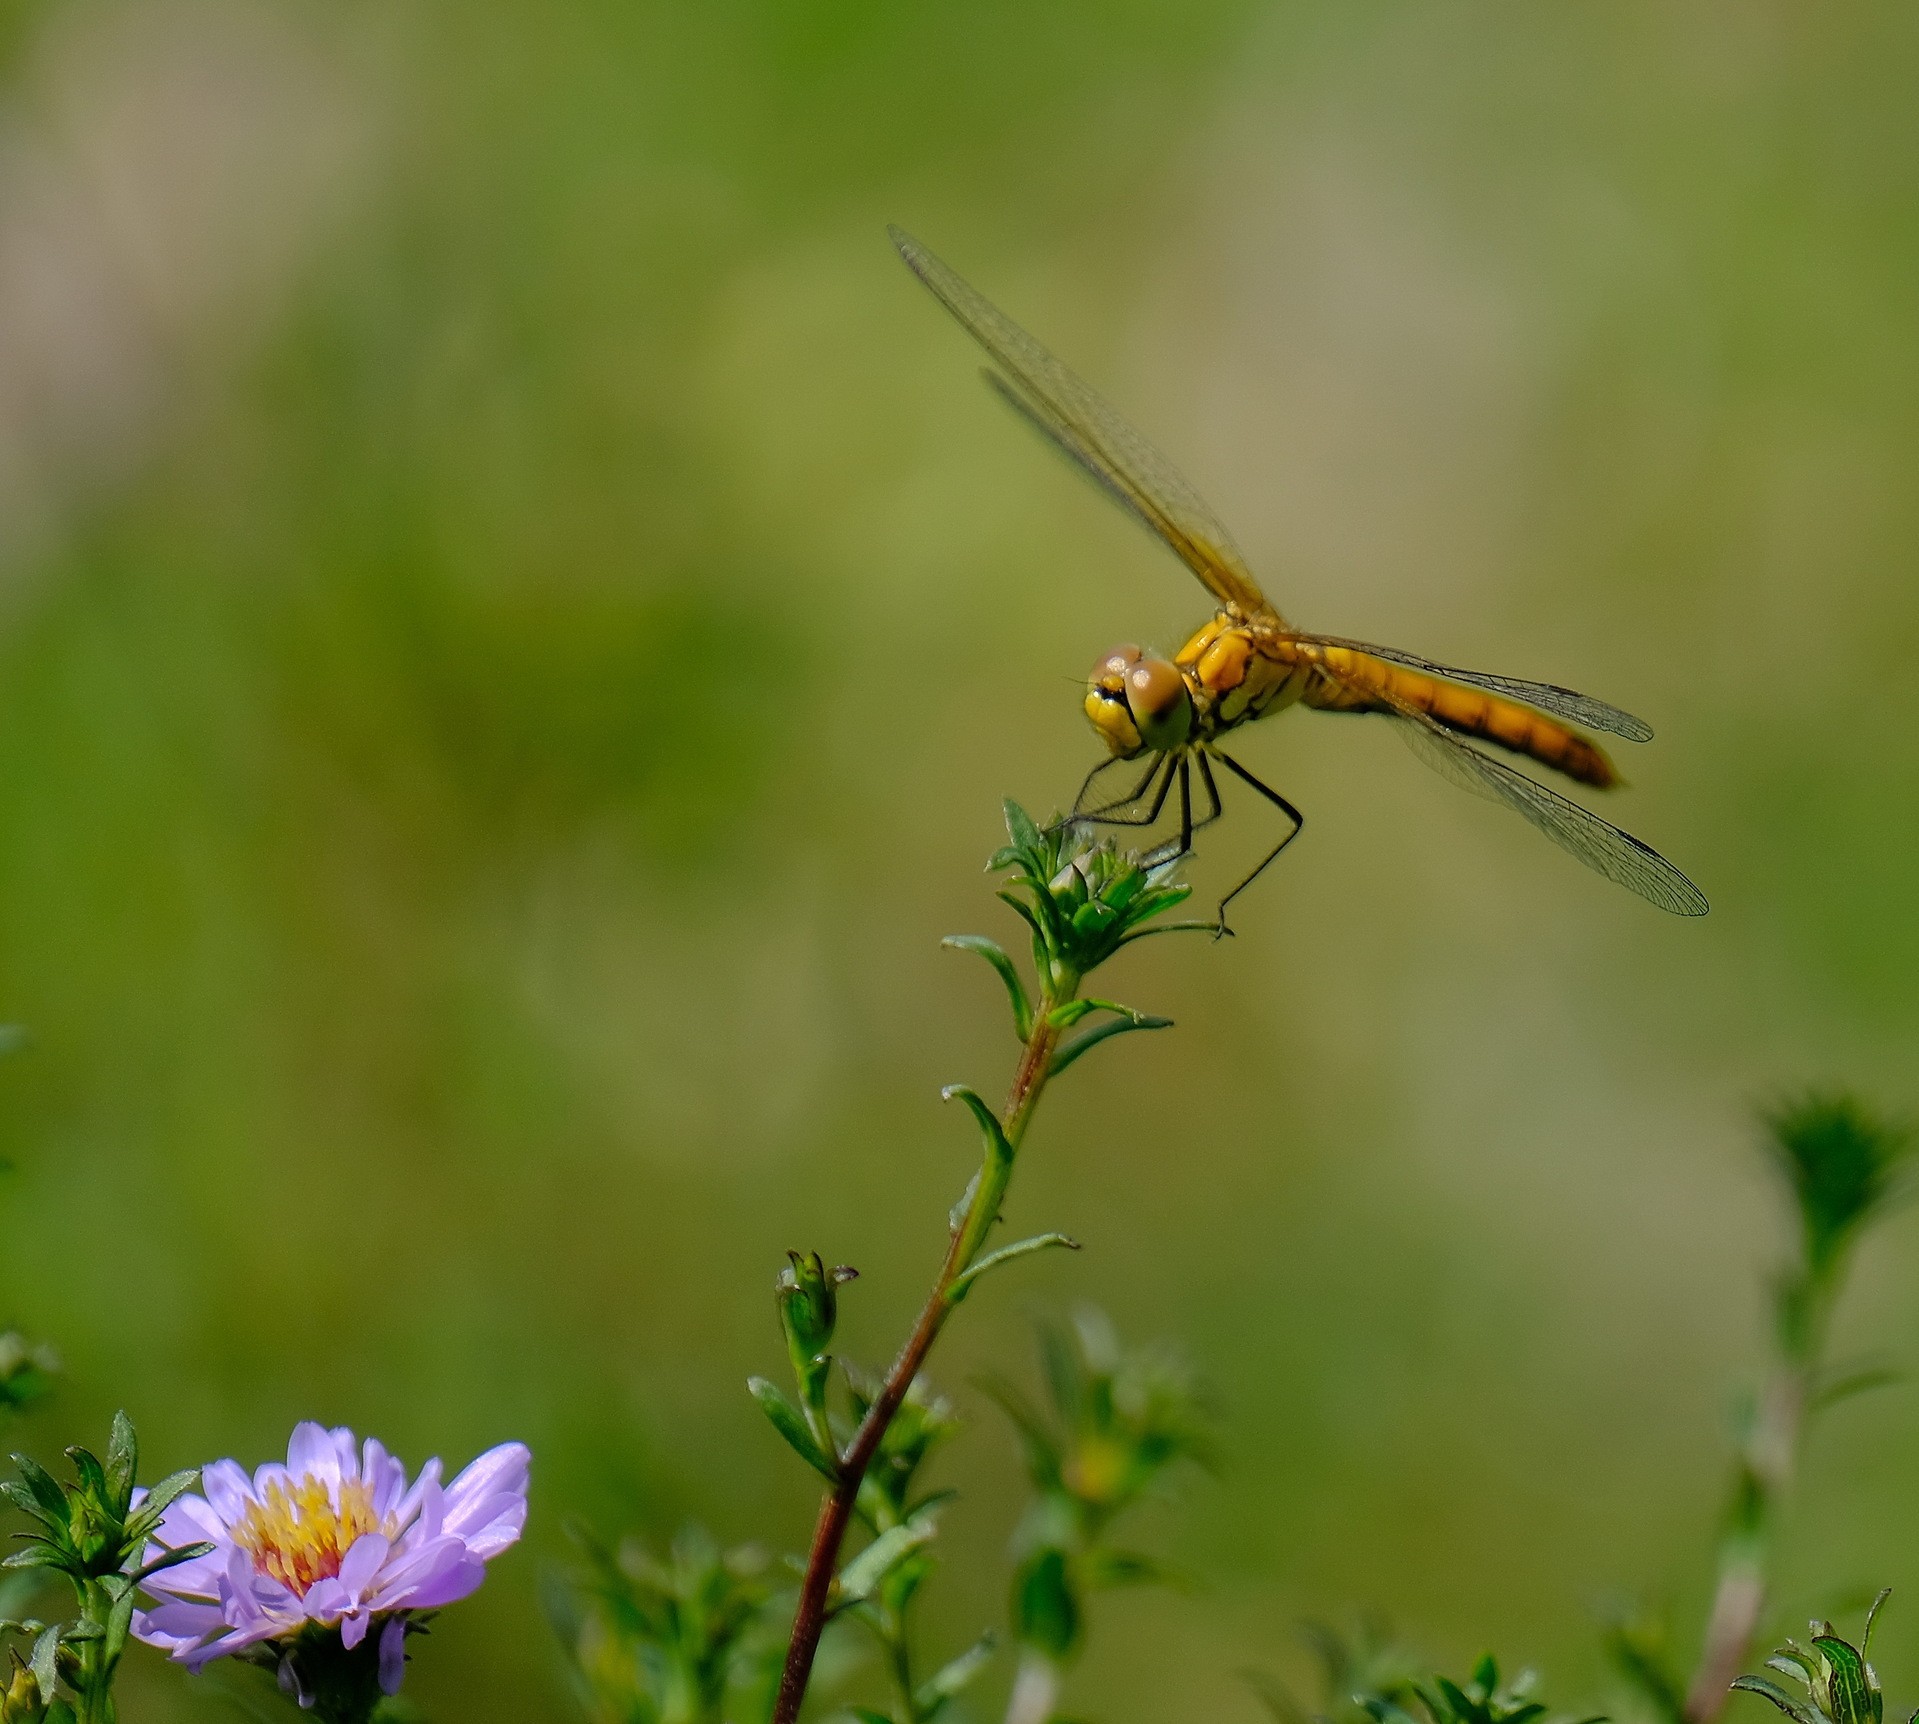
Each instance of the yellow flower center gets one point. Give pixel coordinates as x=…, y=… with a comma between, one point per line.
x=299, y=1534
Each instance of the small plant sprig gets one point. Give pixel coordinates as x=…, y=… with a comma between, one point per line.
x=1843, y=1166
x=1841, y=1687
x=1481, y=1699
x=670, y=1640
x=96, y=1533
x=1082, y=902
x=1120, y=1418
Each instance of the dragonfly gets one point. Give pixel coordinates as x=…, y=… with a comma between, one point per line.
x=1249, y=663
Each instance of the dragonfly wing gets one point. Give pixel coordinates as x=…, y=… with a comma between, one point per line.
x=1546, y=696
x=1597, y=843
x=1077, y=418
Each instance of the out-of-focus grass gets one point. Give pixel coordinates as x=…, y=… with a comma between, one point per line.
x=460, y=658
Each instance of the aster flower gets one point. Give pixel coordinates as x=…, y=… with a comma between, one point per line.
x=308, y=1559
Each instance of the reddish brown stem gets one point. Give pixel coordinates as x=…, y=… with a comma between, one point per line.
x=836, y=1510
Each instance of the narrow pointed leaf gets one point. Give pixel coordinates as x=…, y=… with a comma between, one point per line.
x=963, y=1284
x=953, y=1677
x=861, y=1577
x=45, y=1487
x=1087, y=1040
x=995, y=954
x=123, y=1461
x=46, y=1652
x=785, y=1418
x=998, y=1150
x=1797, y=1710
x=173, y=1558
x=1020, y=828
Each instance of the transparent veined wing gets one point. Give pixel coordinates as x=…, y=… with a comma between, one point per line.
x=1597, y=843
x=1546, y=696
x=1081, y=422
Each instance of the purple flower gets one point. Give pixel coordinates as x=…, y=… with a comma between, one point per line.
x=336, y=1538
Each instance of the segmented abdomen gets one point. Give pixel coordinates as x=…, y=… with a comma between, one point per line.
x=1358, y=682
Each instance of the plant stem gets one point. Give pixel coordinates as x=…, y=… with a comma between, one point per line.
x=963, y=1245
x=1764, y=1473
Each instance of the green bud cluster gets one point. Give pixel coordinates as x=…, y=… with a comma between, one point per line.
x=1841, y=1687
x=92, y=1532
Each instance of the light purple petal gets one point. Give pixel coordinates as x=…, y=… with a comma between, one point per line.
x=314, y=1451
x=385, y=1477
x=362, y=1562
x=228, y=1490
x=198, y=1658
x=502, y=1469
x=392, y=1656
x=353, y=1629
x=449, y=1586
x=486, y=1504
x=435, y=1574
x=177, y=1625
x=410, y=1503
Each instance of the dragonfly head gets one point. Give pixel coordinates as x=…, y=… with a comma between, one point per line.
x=1138, y=704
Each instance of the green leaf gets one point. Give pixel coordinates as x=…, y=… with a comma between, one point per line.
x=953, y=1677
x=1046, y=1613
x=119, y=1620
x=1797, y=1710
x=1090, y=1039
x=1020, y=828
x=785, y=1418
x=46, y=1651
x=169, y=1490
x=123, y=1461
x=45, y=1488
x=861, y=1577
x=37, y=1556
x=995, y=954
x=963, y=1283
x=173, y=1558
x=1872, y=1617
x=1855, y=1691
x=866, y=1715
x=998, y=1150
x=1044, y=1458
x=93, y=1478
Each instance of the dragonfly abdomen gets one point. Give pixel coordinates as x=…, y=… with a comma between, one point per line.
x=1470, y=711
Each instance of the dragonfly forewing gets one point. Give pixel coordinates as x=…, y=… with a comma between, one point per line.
x=1087, y=427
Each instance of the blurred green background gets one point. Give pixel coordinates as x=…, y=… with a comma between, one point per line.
x=516, y=613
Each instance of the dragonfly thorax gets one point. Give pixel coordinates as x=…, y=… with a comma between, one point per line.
x=1138, y=704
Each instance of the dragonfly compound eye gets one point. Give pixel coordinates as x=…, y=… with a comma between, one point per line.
x=1106, y=703
x=1162, y=710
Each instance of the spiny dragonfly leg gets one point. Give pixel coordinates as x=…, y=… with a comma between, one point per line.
x=1164, y=767
x=1212, y=793
x=1279, y=802
x=1172, y=849
x=1096, y=815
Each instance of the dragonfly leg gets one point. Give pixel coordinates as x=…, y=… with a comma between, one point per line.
x=1173, y=849
x=1212, y=793
x=1279, y=802
x=1095, y=815
x=1166, y=764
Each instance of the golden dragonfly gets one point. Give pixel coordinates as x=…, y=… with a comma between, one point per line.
x=1248, y=662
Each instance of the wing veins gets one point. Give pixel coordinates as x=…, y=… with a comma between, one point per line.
x=1077, y=417
x=1549, y=697
x=1599, y=844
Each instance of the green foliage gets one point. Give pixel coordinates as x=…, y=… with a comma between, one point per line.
x=1843, y=1165
x=1118, y=1419
x=688, y=1639
x=1081, y=901
x=1840, y=1686
x=1481, y=1699
x=879, y=1587
x=1372, y=1666
x=94, y=1533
